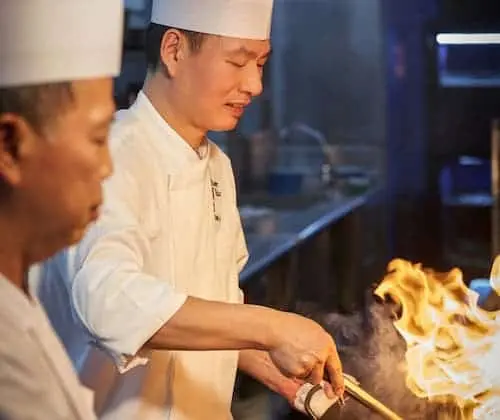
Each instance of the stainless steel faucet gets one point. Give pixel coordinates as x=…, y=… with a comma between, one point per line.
x=319, y=138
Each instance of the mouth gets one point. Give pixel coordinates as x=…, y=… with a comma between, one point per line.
x=237, y=108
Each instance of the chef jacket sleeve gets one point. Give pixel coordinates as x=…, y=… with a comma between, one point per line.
x=120, y=305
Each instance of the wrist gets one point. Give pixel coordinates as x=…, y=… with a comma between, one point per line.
x=274, y=324
x=288, y=388
x=264, y=327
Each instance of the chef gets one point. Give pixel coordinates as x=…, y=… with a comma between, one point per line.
x=154, y=283
x=57, y=60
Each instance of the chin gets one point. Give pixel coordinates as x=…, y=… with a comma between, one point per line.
x=50, y=243
x=226, y=124
x=73, y=236
x=76, y=236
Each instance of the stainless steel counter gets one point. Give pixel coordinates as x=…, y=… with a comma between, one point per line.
x=273, y=230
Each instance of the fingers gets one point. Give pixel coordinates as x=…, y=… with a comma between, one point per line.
x=327, y=387
x=334, y=369
x=317, y=377
x=316, y=374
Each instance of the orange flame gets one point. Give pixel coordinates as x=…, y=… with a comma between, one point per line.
x=453, y=346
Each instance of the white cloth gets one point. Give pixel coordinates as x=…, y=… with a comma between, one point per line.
x=157, y=241
x=51, y=283
x=248, y=19
x=37, y=380
x=45, y=41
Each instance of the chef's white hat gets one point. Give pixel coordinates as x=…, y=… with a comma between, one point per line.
x=249, y=19
x=44, y=41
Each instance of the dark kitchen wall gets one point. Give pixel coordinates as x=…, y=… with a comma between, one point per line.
x=460, y=117
x=356, y=70
x=330, y=69
x=405, y=23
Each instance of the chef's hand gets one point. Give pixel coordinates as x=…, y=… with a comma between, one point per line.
x=302, y=349
x=289, y=390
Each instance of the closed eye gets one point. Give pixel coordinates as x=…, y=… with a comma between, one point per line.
x=239, y=65
x=101, y=140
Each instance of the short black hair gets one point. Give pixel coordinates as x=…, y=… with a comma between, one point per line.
x=38, y=104
x=154, y=35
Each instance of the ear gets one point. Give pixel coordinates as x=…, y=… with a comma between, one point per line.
x=15, y=133
x=173, y=49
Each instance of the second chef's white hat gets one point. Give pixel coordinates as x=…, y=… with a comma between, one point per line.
x=248, y=19
x=46, y=41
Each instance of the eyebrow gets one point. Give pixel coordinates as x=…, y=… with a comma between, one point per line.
x=249, y=54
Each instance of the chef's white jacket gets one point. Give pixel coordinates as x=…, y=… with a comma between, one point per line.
x=37, y=379
x=169, y=228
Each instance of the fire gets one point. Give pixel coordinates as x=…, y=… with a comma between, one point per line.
x=453, y=346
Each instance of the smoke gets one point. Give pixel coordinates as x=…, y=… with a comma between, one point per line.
x=373, y=352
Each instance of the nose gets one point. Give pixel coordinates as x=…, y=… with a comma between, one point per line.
x=252, y=80
x=106, y=164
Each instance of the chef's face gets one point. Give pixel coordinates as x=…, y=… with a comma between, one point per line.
x=55, y=183
x=220, y=79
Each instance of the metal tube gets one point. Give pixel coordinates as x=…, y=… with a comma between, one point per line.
x=360, y=395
